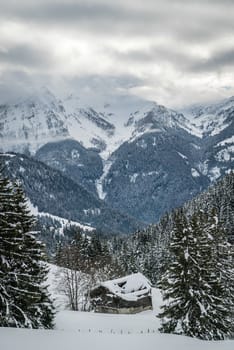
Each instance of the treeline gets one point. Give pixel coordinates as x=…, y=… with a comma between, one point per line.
x=84, y=252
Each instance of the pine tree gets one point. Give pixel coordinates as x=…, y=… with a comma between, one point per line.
x=222, y=267
x=24, y=300
x=196, y=285
x=8, y=246
x=175, y=282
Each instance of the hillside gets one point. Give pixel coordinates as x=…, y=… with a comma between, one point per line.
x=53, y=193
x=147, y=250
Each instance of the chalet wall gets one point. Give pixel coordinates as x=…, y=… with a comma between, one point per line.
x=129, y=310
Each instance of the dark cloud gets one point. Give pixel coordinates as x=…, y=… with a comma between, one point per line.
x=67, y=12
x=80, y=14
x=179, y=59
x=218, y=61
x=26, y=56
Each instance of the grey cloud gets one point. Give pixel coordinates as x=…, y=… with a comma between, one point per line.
x=177, y=25
x=26, y=56
x=181, y=59
x=106, y=84
x=153, y=54
x=97, y=90
x=218, y=61
x=13, y=85
x=71, y=12
x=187, y=20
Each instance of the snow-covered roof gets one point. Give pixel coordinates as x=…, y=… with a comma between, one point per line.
x=131, y=287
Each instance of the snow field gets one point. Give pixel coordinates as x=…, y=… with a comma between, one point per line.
x=89, y=330
x=93, y=323
x=25, y=339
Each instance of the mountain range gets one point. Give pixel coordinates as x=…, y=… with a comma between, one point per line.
x=125, y=164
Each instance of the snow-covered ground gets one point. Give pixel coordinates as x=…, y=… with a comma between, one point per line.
x=64, y=222
x=100, y=182
x=89, y=330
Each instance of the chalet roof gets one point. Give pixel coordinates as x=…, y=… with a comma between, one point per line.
x=131, y=287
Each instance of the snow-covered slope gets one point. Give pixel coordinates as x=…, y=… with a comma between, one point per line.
x=215, y=125
x=210, y=120
x=64, y=222
x=86, y=125
x=60, y=339
x=42, y=118
x=154, y=118
x=30, y=123
x=88, y=331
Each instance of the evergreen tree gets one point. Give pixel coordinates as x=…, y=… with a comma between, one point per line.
x=195, y=286
x=8, y=247
x=175, y=282
x=24, y=300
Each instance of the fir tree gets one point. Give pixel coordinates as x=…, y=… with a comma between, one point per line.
x=196, y=285
x=175, y=282
x=24, y=300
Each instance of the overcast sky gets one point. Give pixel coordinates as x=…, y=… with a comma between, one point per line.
x=175, y=52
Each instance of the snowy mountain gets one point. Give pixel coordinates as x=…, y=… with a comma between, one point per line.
x=136, y=155
x=210, y=120
x=168, y=160
x=154, y=173
x=30, y=123
x=42, y=117
x=214, y=124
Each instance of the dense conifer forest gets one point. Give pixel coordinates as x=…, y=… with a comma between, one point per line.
x=188, y=255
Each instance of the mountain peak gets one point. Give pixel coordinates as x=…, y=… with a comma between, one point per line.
x=156, y=116
x=231, y=99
